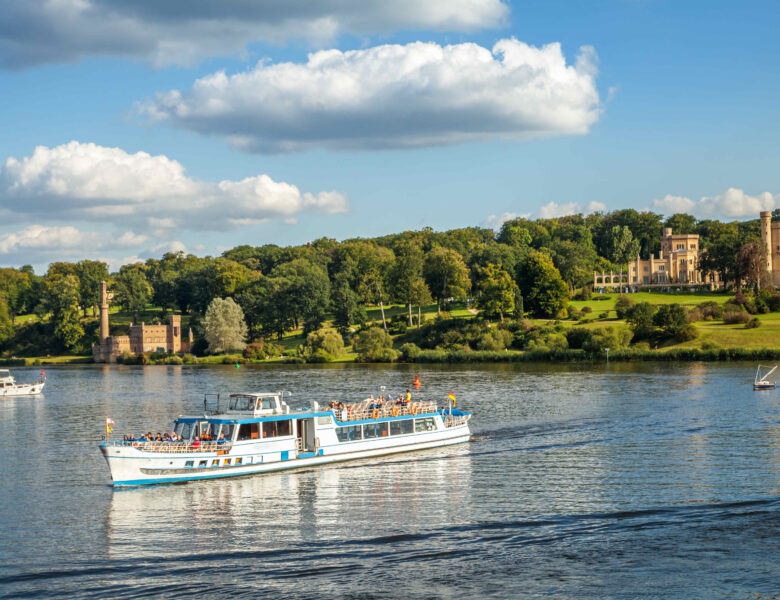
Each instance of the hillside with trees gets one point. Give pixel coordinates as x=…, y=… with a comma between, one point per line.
x=395, y=296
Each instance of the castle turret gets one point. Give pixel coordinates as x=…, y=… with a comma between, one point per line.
x=766, y=237
x=103, y=312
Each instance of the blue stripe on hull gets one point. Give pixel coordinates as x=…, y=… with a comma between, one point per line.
x=291, y=464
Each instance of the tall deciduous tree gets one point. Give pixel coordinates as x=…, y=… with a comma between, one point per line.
x=404, y=272
x=90, y=274
x=132, y=288
x=62, y=299
x=751, y=263
x=347, y=309
x=544, y=292
x=446, y=275
x=224, y=327
x=496, y=291
x=622, y=247
x=420, y=294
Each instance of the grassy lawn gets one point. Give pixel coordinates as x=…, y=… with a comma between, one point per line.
x=686, y=299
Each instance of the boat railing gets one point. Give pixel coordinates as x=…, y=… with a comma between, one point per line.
x=455, y=420
x=370, y=409
x=173, y=447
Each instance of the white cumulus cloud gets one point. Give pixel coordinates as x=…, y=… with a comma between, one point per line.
x=182, y=31
x=734, y=203
x=392, y=96
x=88, y=182
x=36, y=241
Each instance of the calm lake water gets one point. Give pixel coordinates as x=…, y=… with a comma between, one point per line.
x=609, y=481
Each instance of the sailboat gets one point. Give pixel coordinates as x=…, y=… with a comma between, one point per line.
x=762, y=382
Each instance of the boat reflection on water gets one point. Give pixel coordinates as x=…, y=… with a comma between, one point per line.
x=385, y=496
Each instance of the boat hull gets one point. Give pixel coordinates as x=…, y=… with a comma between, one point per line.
x=763, y=386
x=130, y=466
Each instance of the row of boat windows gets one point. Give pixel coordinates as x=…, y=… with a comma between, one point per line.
x=214, y=463
x=246, y=431
x=351, y=433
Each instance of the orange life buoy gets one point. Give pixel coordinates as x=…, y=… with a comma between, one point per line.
x=375, y=413
x=413, y=409
x=395, y=411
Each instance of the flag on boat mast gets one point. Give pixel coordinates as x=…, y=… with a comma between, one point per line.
x=451, y=398
x=109, y=423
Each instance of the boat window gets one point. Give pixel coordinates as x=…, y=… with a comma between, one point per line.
x=184, y=431
x=226, y=461
x=349, y=434
x=242, y=403
x=283, y=428
x=239, y=460
x=215, y=462
x=245, y=431
x=203, y=463
x=401, y=427
x=206, y=430
x=426, y=424
x=268, y=403
x=372, y=430
x=226, y=431
x=269, y=429
x=189, y=463
x=326, y=420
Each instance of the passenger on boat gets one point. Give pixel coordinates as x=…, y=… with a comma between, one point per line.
x=221, y=439
x=158, y=437
x=196, y=442
x=408, y=398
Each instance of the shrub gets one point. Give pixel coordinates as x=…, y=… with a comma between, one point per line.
x=577, y=336
x=495, y=340
x=322, y=345
x=670, y=318
x=374, y=345
x=188, y=359
x=753, y=323
x=174, y=360
x=686, y=333
x=410, y=351
x=607, y=337
x=574, y=314
x=735, y=316
x=261, y=349
x=587, y=310
x=603, y=315
x=774, y=302
x=709, y=345
x=622, y=306
x=710, y=310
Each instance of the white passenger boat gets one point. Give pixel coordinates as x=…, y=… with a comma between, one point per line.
x=258, y=432
x=9, y=387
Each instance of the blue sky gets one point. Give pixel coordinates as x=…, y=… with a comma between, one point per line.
x=674, y=109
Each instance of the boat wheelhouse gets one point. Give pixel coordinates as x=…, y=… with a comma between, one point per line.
x=9, y=387
x=258, y=432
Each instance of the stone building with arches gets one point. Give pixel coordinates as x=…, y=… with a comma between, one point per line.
x=676, y=265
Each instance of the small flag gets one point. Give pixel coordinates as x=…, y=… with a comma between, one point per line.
x=109, y=423
x=452, y=398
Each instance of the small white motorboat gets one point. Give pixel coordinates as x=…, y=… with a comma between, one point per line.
x=762, y=382
x=9, y=387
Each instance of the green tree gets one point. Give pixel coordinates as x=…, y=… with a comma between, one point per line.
x=374, y=345
x=322, y=345
x=420, y=295
x=681, y=223
x=6, y=325
x=446, y=275
x=544, y=292
x=16, y=287
x=347, y=309
x=224, y=327
x=670, y=318
x=640, y=317
x=90, y=274
x=132, y=289
x=404, y=272
x=622, y=247
x=307, y=292
x=721, y=257
x=62, y=299
x=496, y=291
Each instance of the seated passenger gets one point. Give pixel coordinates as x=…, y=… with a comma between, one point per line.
x=221, y=439
x=196, y=442
x=158, y=437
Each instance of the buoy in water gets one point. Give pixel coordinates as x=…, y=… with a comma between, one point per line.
x=416, y=381
x=237, y=366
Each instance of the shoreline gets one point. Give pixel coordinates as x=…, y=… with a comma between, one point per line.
x=459, y=357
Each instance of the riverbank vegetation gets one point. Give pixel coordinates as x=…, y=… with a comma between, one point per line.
x=523, y=293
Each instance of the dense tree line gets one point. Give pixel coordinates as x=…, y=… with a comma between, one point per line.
x=529, y=266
